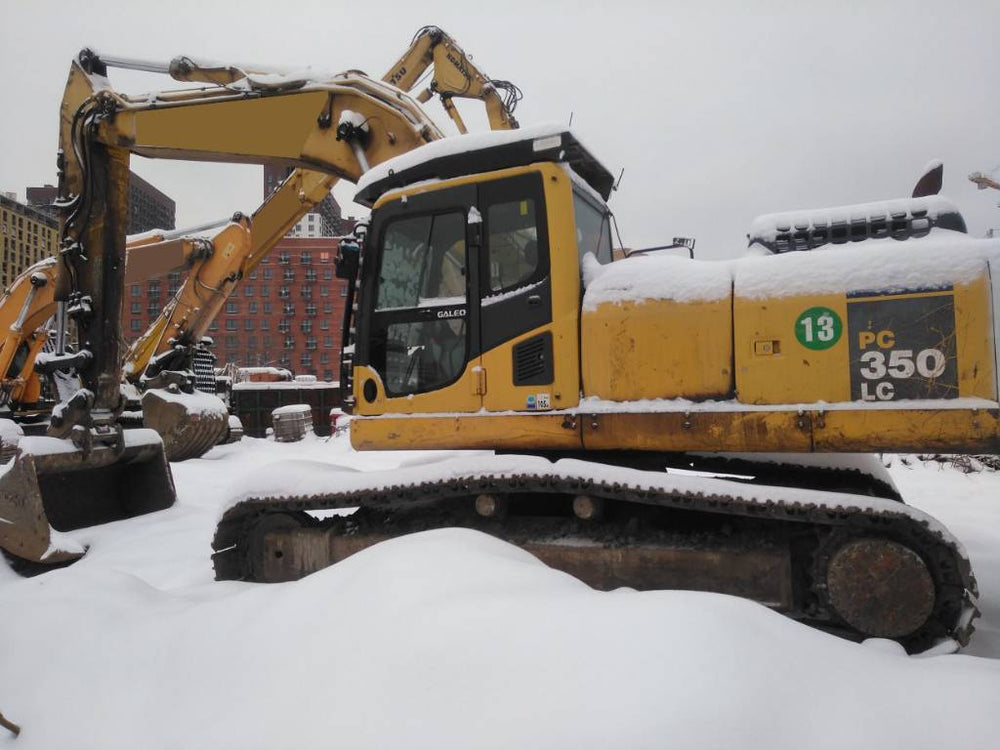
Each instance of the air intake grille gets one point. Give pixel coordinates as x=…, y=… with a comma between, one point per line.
x=533, y=361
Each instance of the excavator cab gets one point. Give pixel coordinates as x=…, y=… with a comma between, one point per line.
x=470, y=293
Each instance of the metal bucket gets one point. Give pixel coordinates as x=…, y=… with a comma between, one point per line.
x=53, y=486
x=189, y=423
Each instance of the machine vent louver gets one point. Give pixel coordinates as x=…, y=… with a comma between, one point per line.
x=203, y=365
x=533, y=361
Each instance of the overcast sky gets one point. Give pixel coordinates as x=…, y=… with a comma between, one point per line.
x=718, y=111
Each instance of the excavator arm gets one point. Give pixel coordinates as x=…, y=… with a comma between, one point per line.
x=454, y=75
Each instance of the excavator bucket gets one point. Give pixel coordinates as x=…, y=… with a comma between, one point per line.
x=50, y=486
x=189, y=423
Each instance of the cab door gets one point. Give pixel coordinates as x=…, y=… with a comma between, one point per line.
x=528, y=290
x=417, y=349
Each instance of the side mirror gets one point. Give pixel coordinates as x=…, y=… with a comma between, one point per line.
x=347, y=260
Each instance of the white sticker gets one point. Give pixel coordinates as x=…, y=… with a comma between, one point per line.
x=539, y=401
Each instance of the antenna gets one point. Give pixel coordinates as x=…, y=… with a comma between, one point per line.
x=619, y=180
x=570, y=120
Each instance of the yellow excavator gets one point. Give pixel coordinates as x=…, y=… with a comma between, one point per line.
x=657, y=422
x=335, y=128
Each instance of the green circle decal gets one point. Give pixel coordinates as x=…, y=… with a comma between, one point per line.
x=818, y=328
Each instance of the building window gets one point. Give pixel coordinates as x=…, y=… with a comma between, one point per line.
x=231, y=342
x=324, y=325
x=136, y=325
x=154, y=288
x=283, y=292
x=252, y=307
x=311, y=342
x=248, y=324
x=289, y=274
x=311, y=275
x=248, y=290
x=343, y=290
x=251, y=342
x=214, y=326
x=289, y=342
x=324, y=291
x=310, y=309
x=153, y=308
x=265, y=291
x=253, y=276
x=284, y=258
x=267, y=274
x=307, y=292
x=324, y=358
x=306, y=325
x=232, y=308
x=306, y=258
x=136, y=290
x=328, y=375
x=136, y=308
x=265, y=324
x=327, y=274
x=231, y=324
x=284, y=326
x=328, y=308
x=306, y=360
x=289, y=309
x=267, y=308
x=328, y=342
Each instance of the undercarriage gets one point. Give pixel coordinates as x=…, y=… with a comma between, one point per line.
x=851, y=559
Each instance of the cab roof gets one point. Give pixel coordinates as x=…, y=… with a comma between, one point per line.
x=487, y=152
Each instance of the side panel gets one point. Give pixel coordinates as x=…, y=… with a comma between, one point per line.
x=658, y=349
x=866, y=346
x=551, y=377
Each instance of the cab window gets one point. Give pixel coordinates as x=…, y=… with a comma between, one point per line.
x=593, y=229
x=423, y=265
x=423, y=262
x=512, y=243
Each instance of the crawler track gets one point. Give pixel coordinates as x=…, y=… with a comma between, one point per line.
x=857, y=565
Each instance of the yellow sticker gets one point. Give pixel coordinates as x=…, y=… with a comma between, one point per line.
x=524, y=208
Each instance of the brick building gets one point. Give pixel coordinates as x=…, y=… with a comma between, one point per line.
x=148, y=207
x=28, y=235
x=287, y=313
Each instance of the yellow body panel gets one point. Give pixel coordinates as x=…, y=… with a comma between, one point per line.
x=658, y=349
x=462, y=395
x=516, y=431
x=772, y=368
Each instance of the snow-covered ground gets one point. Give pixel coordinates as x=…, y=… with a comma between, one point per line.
x=452, y=639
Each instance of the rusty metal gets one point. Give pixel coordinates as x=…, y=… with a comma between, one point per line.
x=812, y=531
x=73, y=489
x=880, y=587
x=491, y=506
x=285, y=550
x=185, y=434
x=588, y=508
x=9, y=725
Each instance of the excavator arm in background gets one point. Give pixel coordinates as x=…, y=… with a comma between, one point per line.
x=453, y=75
x=335, y=128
